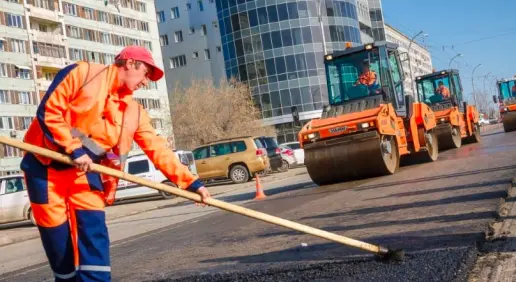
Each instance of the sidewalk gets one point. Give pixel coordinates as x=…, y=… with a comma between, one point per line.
x=497, y=261
x=18, y=232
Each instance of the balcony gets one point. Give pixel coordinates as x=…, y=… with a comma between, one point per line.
x=44, y=14
x=51, y=62
x=47, y=37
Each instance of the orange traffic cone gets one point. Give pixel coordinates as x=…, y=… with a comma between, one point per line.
x=259, y=192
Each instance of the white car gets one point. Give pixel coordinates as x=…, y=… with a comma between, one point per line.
x=14, y=200
x=299, y=153
x=141, y=166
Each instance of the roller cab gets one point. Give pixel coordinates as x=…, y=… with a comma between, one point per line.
x=369, y=124
x=457, y=122
x=506, y=101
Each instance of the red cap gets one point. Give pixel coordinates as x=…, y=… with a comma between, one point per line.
x=139, y=53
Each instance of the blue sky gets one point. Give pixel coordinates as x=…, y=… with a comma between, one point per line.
x=484, y=31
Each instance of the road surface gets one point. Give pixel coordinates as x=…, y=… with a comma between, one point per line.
x=437, y=212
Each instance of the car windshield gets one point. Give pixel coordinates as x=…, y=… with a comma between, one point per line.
x=353, y=77
x=270, y=142
x=507, y=89
x=429, y=88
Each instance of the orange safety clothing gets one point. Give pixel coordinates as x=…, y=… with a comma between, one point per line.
x=84, y=113
x=367, y=78
x=513, y=90
x=444, y=91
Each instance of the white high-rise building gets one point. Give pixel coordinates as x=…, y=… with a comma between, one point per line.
x=421, y=59
x=39, y=37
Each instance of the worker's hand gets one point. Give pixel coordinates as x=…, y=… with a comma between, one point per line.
x=204, y=195
x=83, y=163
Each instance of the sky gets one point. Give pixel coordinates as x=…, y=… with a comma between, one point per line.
x=483, y=31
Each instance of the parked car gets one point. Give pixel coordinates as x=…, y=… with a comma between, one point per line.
x=273, y=152
x=237, y=159
x=299, y=153
x=14, y=200
x=288, y=158
x=141, y=166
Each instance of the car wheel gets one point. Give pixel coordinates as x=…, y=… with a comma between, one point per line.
x=31, y=218
x=284, y=166
x=239, y=174
x=166, y=195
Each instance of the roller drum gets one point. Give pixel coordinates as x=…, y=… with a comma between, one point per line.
x=509, y=122
x=449, y=137
x=339, y=160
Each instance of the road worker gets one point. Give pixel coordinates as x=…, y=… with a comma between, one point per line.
x=367, y=77
x=443, y=90
x=88, y=113
x=513, y=90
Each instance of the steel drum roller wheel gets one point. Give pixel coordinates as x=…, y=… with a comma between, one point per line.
x=450, y=138
x=509, y=123
x=353, y=160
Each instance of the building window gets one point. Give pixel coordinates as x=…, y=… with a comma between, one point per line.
x=195, y=55
x=188, y=6
x=3, y=70
x=192, y=30
x=102, y=16
x=6, y=123
x=178, y=36
x=163, y=40
x=206, y=54
x=179, y=61
x=203, y=30
x=88, y=13
x=25, y=123
x=157, y=123
x=18, y=46
x=118, y=20
x=70, y=9
x=23, y=73
x=2, y=44
x=5, y=98
x=201, y=6
x=219, y=49
x=14, y=20
x=215, y=24
x=174, y=13
x=24, y=98
x=160, y=16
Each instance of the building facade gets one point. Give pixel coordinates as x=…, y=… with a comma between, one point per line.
x=39, y=37
x=421, y=60
x=276, y=47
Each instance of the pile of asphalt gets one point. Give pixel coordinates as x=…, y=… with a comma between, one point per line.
x=451, y=264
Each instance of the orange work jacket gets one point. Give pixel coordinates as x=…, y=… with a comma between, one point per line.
x=82, y=113
x=367, y=78
x=443, y=90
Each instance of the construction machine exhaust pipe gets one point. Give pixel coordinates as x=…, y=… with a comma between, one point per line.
x=380, y=251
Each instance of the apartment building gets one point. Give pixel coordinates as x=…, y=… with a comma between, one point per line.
x=39, y=37
x=276, y=47
x=421, y=60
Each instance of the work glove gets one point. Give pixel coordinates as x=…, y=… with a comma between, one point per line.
x=110, y=183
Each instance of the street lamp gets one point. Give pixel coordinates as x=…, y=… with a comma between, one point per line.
x=473, y=83
x=458, y=55
x=319, y=13
x=410, y=60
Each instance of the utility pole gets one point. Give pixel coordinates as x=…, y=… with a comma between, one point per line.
x=319, y=12
x=473, y=83
x=410, y=64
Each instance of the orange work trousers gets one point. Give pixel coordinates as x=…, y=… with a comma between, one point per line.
x=68, y=206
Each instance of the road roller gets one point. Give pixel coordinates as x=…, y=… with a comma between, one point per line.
x=457, y=122
x=507, y=102
x=369, y=123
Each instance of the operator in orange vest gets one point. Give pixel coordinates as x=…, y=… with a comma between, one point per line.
x=513, y=90
x=367, y=77
x=88, y=113
x=443, y=90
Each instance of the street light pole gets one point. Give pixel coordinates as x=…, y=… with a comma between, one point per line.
x=319, y=3
x=410, y=64
x=458, y=55
x=473, y=83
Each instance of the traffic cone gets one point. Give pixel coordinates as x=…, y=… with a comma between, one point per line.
x=259, y=192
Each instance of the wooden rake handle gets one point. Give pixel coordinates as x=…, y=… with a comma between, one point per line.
x=196, y=197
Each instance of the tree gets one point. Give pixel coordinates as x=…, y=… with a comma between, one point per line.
x=484, y=103
x=202, y=113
